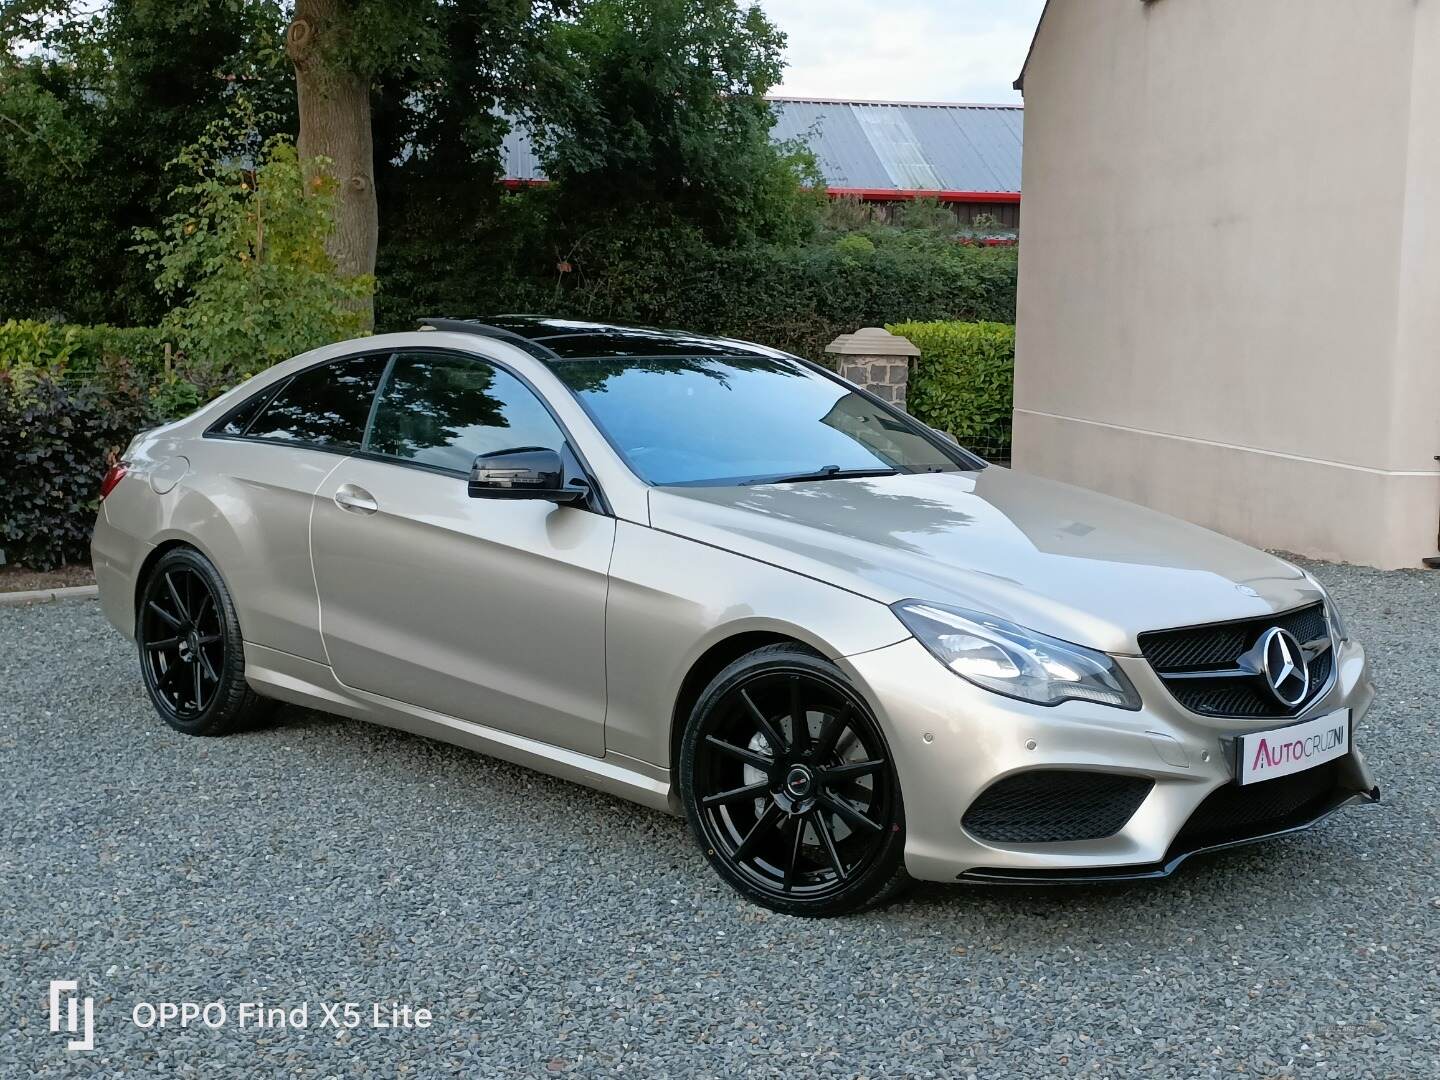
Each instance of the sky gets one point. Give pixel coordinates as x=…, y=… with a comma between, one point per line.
x=905, y=50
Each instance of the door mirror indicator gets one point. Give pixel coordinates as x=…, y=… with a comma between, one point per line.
x=529, y=472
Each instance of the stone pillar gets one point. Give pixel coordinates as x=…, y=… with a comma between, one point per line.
x=877, y=360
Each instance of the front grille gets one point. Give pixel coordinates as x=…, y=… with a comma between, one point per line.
x=1049, y=806
x=1233, y=812
x=1197, y=650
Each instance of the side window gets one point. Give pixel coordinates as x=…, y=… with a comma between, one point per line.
x=238, y=419
x=445, y=409
x=323, y=406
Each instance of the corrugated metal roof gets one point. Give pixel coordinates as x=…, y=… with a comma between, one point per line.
x=878, y=146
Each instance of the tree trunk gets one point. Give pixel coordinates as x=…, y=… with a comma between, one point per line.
x=335, y=124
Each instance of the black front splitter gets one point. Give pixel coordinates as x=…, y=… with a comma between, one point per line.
x=994, y=875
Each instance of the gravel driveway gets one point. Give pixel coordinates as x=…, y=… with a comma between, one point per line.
x=550, y=929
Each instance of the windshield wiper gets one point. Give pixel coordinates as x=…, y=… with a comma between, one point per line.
x=825, y=472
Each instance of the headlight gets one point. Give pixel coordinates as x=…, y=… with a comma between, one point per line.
x=1337, y=624
x=1008, y=659
x=1332, y=613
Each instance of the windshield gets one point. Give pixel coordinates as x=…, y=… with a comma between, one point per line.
x=735, y=420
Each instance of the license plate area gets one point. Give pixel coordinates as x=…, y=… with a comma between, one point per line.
x=1283, y=751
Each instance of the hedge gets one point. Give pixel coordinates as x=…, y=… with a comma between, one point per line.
x=797, y=299
x=56, y=439
x=964, y=382
x=65, y=351
x=70, y=396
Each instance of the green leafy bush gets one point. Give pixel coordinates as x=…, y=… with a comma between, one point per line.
x=964, y=382
x=31, y=350
x=793, y=298
x=56, y=439
x=244, y=261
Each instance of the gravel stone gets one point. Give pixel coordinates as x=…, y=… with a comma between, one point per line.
x=555, y=931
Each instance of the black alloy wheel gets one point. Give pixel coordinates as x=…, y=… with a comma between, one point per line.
x=790, y=787
x=191, y=653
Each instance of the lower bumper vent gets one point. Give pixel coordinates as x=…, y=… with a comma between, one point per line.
x=1051, y=806
x=1232, y=812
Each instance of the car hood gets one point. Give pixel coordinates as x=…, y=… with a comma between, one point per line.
x=1067, y=562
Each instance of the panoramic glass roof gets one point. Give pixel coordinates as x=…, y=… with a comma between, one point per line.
x=571, y=339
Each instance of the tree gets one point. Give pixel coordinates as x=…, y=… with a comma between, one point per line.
x=244, y=260
x=446, y=66
x=94, y=102
x=660, y=104
x=332, y=85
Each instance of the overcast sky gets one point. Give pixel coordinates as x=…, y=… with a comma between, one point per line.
x=905, y=50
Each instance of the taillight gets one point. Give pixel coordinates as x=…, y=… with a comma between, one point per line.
x=112, y=477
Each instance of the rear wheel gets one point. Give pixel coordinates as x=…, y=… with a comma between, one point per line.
x=790, y=788
x=192, y=657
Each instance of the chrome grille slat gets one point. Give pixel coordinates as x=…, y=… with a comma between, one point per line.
x=1198, y=664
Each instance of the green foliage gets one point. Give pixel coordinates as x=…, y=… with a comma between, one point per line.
x=854, y=247
x=794, y=298
x=32, y=351
x=964, y=382
x=87, y=124
x=244, y=261
x=661, y=104
x=56, y=439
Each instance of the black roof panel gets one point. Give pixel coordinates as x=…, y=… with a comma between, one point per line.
x=575, y=339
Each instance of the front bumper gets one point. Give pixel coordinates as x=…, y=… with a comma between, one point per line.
x=951, y=741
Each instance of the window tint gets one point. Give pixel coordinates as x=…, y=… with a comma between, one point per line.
x=235, y=421
x=719, y=420
x=323, y=406
x=444, y=409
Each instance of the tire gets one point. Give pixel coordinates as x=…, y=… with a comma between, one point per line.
x=815, y=828
x=192, y=657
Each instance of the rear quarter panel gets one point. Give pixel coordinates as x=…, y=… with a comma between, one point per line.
x=246, y=507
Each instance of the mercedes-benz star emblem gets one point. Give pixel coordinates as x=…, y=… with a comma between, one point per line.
x=1284, y=666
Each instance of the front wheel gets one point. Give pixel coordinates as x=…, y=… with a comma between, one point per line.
x=790, y=788
x=192, y=657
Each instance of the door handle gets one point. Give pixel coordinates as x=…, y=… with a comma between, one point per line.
x=356, y=499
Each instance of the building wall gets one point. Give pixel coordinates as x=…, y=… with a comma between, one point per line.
x=1230, y=286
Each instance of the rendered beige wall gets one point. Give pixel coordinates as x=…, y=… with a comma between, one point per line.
x=1230, y=268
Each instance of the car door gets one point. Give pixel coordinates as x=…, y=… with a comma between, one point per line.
x=488, y=610
x=258, y=468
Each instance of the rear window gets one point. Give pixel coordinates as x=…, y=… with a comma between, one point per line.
x=326, y=406
x=239, y=418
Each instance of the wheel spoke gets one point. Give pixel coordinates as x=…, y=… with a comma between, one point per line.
x=209, y=639
x=854, y=818
x=851, y=770
x=795, y=846
x=202, y=607
x=171, y=619
x=772, y=736
x=750, y=757
x=762, y=824
x=749, y=791
x=162, y=644
x=168, y=674
x=830, y=732
x=199, y=693
x=826, y=839
x=208, y=668
x=799, y=721
x=180, y=607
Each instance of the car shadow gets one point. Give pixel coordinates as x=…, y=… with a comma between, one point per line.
x=1207, y=893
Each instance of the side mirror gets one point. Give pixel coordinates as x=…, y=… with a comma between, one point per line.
x=531, y=472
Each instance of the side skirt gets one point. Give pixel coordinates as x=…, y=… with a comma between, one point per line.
x=291, y=678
